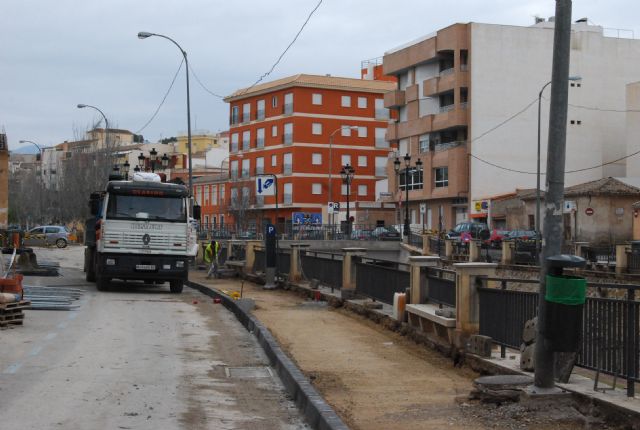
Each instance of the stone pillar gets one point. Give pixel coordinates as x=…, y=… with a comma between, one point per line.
x=507, y=252
x=349, y=270
x=448, y=248
x=416, y=263
x=295, y=273
x=467, y=303
x=250, y=255
x=474, y=250
x=622, y=259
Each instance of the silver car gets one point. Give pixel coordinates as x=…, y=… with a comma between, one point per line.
x=47, y=235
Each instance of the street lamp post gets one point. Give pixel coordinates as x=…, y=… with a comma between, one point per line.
x=144, y=35
x=347, y=174
x=537, y=223
x=41, y=174
x=350, y=127
x=407, y=165
x=106, y=122
x=153, y=156
x=126, y=166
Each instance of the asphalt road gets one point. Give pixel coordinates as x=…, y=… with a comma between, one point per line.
x=136, y=359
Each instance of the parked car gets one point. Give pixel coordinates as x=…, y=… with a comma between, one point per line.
x=522, y=235
x=360, y=234
x=47, y=235
x=385, y=233
x=469, y=230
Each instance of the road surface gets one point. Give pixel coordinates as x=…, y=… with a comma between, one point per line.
x=141, y=359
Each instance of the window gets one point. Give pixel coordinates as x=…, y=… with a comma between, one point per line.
x=222, y=195
x=246, y=166
x=274, y=101
x=246, y=112
x=316, y=158
x=288, y=133
x=345, y=131
x=205, y=198
x=214, y=198
x=288, y=193
x=259, y=165
x=234, y=196
x=260, y=113
x=362, y=102
x=234, y=169
x=403, y=146
x=343, y=190
x=274, y=160
x=424, y=143
x=211, y=194
x=234, y=115
x=316, y=188
x=362, y=190
x=316, y=99
x=414, y=176
x=362, y=131
x=287, y=160
x=381, y=141
x=442, y=177
x=246, y=140
x=345, y=101
x=362, y=161
x=316, y=128
x=381, y=111
x=346, y=159
x=288, y=103
x=274, y=130
x=260, y=138
x=234, y=142
x=381, y=166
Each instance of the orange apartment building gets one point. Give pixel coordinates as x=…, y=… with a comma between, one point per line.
x=431, y=101
x=285, y=128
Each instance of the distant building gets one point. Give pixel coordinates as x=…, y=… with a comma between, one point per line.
x=467, y=96
x=4, y=181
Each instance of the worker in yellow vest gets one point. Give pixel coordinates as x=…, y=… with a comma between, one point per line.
x=211, y=257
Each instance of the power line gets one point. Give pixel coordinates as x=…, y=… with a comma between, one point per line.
x=285, y=51
x=163, y=99
x=193, y=72
x=597, y=108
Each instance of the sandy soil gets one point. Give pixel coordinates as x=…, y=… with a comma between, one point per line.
x=376, y=379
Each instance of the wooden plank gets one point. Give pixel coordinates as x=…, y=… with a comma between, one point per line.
x=19, y=304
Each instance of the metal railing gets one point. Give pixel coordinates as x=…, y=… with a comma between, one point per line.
x=447, y=108
x=600, y=255
x=288, y=139
x=288, y=108
x=448, y=71
x=287, y=169
x=442, y=286
x=381, y=279
x=437, y=246
x=610, y=331
x=525, y=253
x=323, y=266
x=288, y=199
x=416, y=240
x=260, y=115
x=260, y=142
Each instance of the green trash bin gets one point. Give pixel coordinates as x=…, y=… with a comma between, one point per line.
x=565, y=297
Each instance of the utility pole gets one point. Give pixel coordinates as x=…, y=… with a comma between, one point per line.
x=556, y=154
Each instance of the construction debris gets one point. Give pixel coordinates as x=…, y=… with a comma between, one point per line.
x=52, y=297
x=12, y=313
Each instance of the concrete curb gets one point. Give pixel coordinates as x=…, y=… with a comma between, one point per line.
x=317, y=412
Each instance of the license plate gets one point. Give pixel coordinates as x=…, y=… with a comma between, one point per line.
x=145, y=267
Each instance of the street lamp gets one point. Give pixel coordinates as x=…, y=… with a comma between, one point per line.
x=41, y=154
x=141, y=159
x=537, y=223
x=126, y=166
x=153, y=156
x=347, y=174
x=165, y=161
x=344, y=127
x=106, y=122
x=396, y=167
x=144, y=35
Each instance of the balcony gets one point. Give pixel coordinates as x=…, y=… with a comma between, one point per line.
x=411, y=93
x=450, y=117
x=394, y=99
x=448, y=145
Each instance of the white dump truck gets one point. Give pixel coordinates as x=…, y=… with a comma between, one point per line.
x=140, y=230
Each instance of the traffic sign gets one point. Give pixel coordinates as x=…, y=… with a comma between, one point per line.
x=423, y=208
x=333, y=207
x=589, y=211
x=265, y=186
x=271, y=230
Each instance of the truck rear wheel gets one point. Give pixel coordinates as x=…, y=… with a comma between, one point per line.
x=90, y=264
x=176, y=287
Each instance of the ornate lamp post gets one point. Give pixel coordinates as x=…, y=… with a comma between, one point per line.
x=141, y=159
x=164, y=161
x=125, y=167
x=407, y=165
x=347, y=174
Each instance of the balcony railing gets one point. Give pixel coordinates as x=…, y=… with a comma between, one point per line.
x=288, y=108
x=245, y=173
x=382, y=143
x=260, y=115
x=287, y=169
x=448, y=145
x=246, y=145
x=464, y=105
x=260, y=142
x=381, y=171
x=288, y=139
x=448, y=71
x=234, y=146
x=234, y=175
x=288, y=199
x=464, y=67
x=234, y=119
x=259, y=170
x=246, y=117
x=447, y=108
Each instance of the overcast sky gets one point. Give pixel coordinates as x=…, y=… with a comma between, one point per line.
x=56, y=54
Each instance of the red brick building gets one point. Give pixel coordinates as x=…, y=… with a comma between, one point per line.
x=302, y=129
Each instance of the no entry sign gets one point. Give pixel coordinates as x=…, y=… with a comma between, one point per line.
x=589, y=211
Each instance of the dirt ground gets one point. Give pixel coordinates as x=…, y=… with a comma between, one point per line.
x=377, y=379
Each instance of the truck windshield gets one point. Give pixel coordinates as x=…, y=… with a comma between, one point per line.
x=146, y=208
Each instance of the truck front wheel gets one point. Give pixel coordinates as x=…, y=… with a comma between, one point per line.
x=102, y=283
x=175, y=287
x=90, y=264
